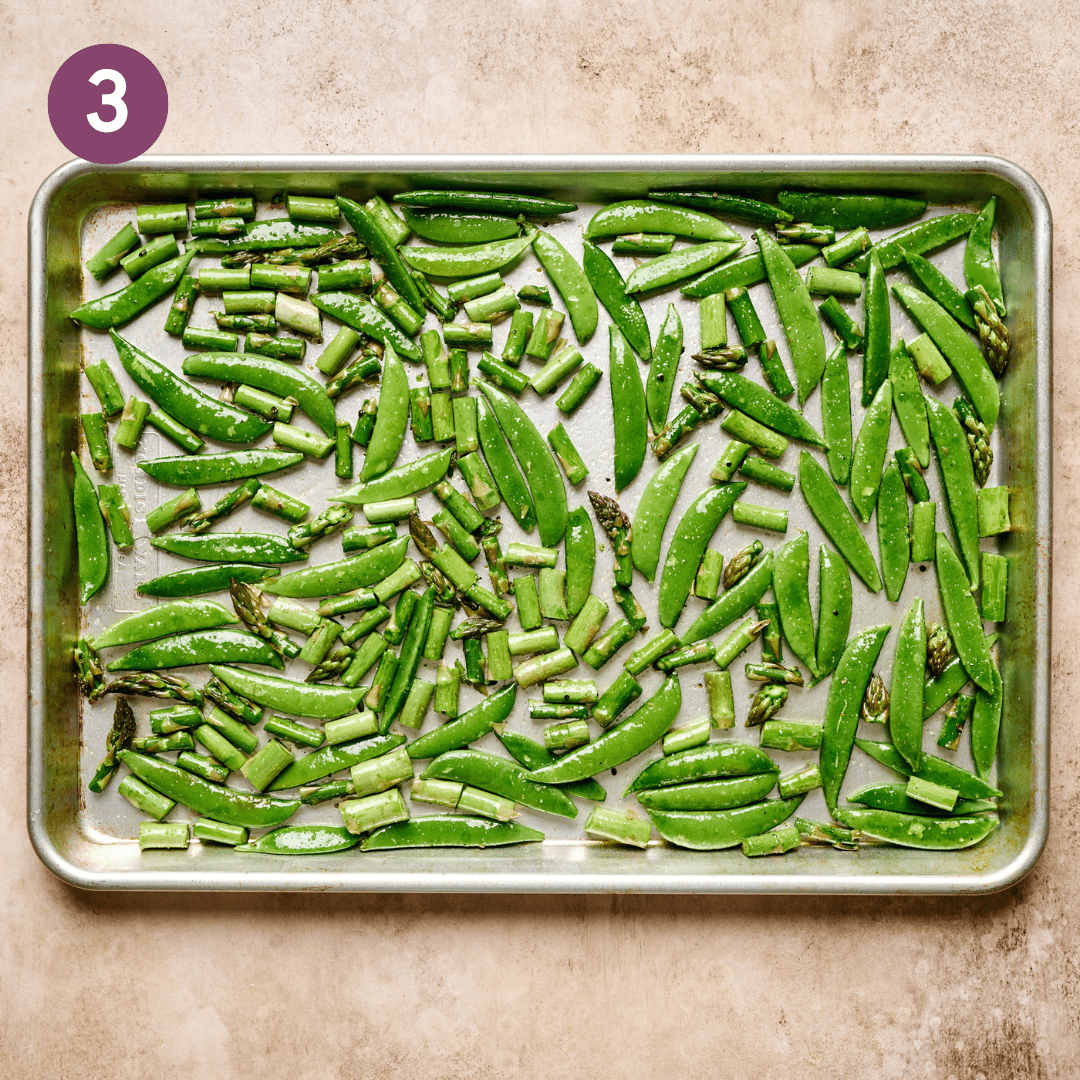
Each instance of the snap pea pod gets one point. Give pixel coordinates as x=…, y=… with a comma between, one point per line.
x=660, y=381
x=619, y=743
x=687, y=547
x=836, y=519
x=191, y=471
x=362, y=315
x=184, y=402
x=733, y=603
x=332, y=579
x=627, y=409
x=799, y=317
x=836, y=413
x=409, y=658
x=449, y=830
x=272, y=376
x=679, y=265
x=207, y=799
x=496, y=202
x=541, y=470
x=532, y=755
x=391, y=419
x=935, y=769
x=231, y=548
x=609, y=286
x=979, y=265
x=723, y=794
x=654, y=508
x=273, y=234
x=871, y=449
x=91, y=537
x=843, y=211
x=919, y=238
x=704, y=830
x=501, y=777
x=958, y=479
x=580, y=554
x=571, y=281
x=332, y=759
x=314, y=701
x=744, y=272
x=906, y=691
x=962, y=616
x=894, y=797
x=756, y=402
x=204, y=579
x=366, y=226
x=986, y=724
x=842, y=711
x=467, y=728
x=894, y=541
x=909, y=403
x=953, y=678
x=941, y=289
x=469, y=261
x=917, y=831
x=216, y=646
x=878, y=333
x=642, y=216
x=708, y=762
x=400, y=482
x=121, y=307
x=791, y=587
x=719, y=202
x=302, y=840
x=178, y=617
x=459, y=227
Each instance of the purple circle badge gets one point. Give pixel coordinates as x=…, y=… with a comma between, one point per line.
x=108, y=104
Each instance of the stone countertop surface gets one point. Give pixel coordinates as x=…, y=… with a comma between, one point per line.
x=306, y=987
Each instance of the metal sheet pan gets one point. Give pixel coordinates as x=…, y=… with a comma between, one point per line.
x=88, y=843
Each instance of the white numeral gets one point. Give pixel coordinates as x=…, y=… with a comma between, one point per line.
x=115, y=99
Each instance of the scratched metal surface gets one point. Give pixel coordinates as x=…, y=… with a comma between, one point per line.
x=88, y=839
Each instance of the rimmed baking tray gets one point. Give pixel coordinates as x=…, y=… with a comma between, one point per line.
x=90, y=846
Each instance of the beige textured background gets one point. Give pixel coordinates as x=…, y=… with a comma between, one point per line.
x=313, y=987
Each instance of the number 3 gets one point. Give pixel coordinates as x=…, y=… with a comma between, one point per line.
x=115, y=99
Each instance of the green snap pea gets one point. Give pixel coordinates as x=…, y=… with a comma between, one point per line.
x=909, y=403
x=894, y=797
x=719, y=202
x=620, y=743
x=846, y=693
x=467, y=728
x=628, y=410
x=367, y=227
x=610, y=288
x=878, y=333
x=272, y=234
x=216, y=646
x=836, y=519
x=231, y=548
x=743, y=272
x=871, y=449
x=642, y=216
x=288, y=696
x=756, y=402
x=665, y=362
x=964, y=356
x=979, y=265
x=799, y=317
x=541, y=470
x=654, y=508
x=331, y=759
x=836, y=413
x=272, y=376
x=705, y=830
x=791, y=587
x=679, y=265
x=571, y=281
x=362, y=315
x=580, y=552
x=688, y=545
x=533, y=755
x=941, y=289
x=449, y=830
x=391, y=419
x=958, y=479
x=919, y=238
x=188, y=471
x=503, y=468
x=733, y=603
x=708, y=762
x=501, y=777
x=722, y=794
x=986, y=724
x=331, y=579
x=495, y=202
x=204, y=579
x=91, y=537
x=917, y=831
x=962, y=616
x=178, y=617
x=400, y=482
x=121, y=307
x=894, y=542
x=468, y=261
x=302, y=840
x=459, y=227
x=843, y=211
x=906, y=691
x=207, y=799
x=409, y=658
x=935, y=769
